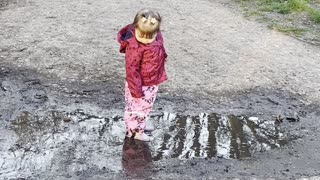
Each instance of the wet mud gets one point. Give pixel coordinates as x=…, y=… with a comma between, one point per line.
x=213, y=135
x=80, y=144
x=50, y=132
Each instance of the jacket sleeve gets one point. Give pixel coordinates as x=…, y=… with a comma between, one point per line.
x=123, y=35
x=123, y=45
x=160, y=38
x=133, y=76
x=165, y=53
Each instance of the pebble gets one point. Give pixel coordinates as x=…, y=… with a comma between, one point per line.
x=253, y=118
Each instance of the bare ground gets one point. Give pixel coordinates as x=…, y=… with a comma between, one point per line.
x=63, y=55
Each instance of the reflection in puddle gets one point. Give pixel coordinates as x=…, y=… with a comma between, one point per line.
x=90, y=144
x=210, y=135
x=136, y=157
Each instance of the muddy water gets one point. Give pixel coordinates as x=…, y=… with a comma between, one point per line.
x=210, y=135
x=82, y=144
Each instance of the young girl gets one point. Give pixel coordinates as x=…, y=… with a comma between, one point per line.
x=145, y=57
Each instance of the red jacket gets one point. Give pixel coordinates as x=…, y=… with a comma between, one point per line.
x=144, y=62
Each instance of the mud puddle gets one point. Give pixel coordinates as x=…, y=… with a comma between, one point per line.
x=211, y=135
x=83, y=144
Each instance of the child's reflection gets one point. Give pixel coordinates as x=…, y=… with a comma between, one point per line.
x=136, y=157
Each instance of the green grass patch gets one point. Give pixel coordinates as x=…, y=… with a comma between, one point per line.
x=287, y=16
x=297, y=5
x=275, y=7
x=283, y=6
x=314, y=14
x=289, y=30
x=252, y=13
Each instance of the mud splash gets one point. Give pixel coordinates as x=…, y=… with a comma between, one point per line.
x=82, y=144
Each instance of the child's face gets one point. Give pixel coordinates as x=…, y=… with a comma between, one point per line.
x=148, y=24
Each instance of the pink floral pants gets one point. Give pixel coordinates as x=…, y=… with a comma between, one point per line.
x=137, y=109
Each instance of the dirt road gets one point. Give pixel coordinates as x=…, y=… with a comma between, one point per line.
x=62, y=56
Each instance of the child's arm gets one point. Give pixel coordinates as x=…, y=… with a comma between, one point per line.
x=123, y=35
x=160, y=38
x=133, y=76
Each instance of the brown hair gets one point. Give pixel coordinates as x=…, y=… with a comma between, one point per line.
x=146, y=13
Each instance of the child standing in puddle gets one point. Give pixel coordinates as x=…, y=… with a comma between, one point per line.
x=145, y=56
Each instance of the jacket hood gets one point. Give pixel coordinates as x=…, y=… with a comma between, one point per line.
x=126, y=36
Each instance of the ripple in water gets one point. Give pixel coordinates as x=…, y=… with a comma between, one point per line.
x=210, y=135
